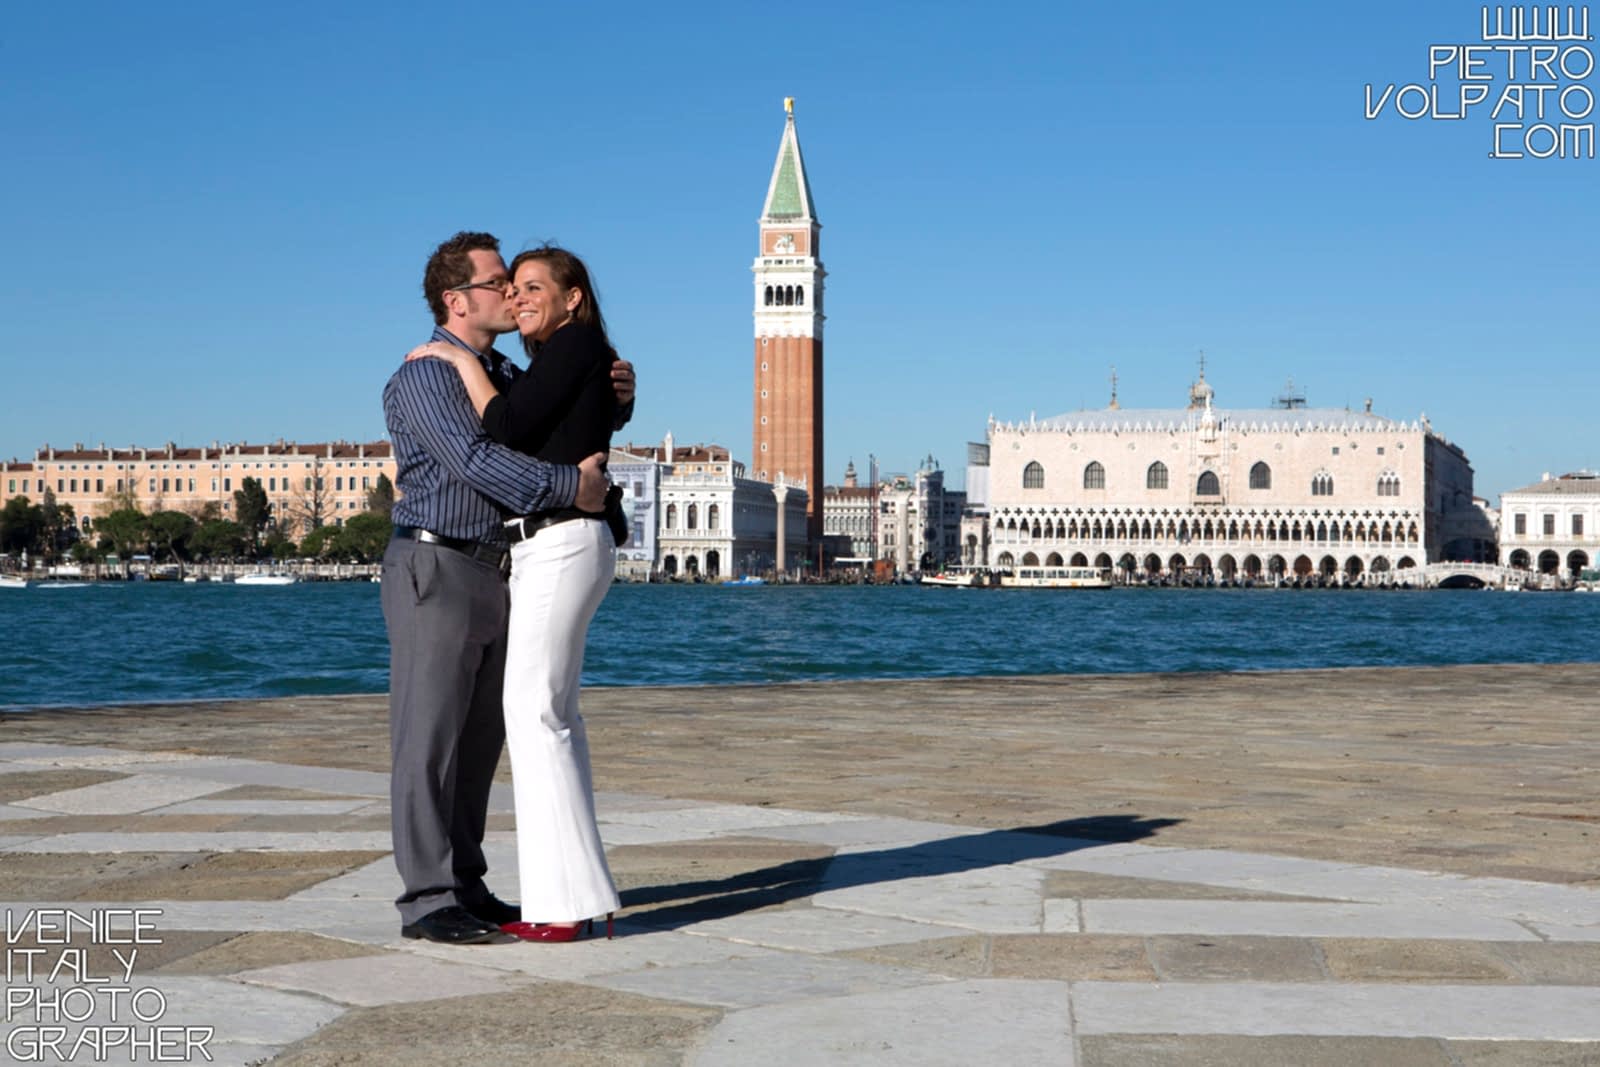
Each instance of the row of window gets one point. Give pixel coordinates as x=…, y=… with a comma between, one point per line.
x=786, y=296
x=1183, y=530
x=1156, y=477
x=1227, y=564
x=179, y=466
x=171, y=485
x=692, y=517
x=1519, y=525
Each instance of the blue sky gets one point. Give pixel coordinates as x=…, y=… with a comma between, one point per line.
x=216, y=217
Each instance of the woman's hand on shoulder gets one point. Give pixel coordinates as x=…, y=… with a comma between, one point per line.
x=436, y=350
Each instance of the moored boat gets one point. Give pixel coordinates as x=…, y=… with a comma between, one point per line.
x=1058, y=578
x=265, y=579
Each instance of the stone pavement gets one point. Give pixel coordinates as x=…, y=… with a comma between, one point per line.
x=1017, y=914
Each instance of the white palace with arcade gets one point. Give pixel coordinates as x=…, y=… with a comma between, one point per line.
x=1322, y=494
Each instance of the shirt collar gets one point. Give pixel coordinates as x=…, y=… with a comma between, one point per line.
x=492, y=359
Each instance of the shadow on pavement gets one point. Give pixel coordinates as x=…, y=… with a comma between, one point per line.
x=683, y=903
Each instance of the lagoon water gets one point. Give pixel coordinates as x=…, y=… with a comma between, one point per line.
x=141, y=641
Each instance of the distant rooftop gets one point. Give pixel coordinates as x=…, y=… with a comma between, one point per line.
x=1577, y=483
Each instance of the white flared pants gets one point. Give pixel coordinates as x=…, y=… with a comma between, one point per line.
x=558, y=578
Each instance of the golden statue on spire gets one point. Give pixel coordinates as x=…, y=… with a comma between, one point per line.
x=788, y=106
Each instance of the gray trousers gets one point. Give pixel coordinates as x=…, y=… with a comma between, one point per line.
x=446, y=616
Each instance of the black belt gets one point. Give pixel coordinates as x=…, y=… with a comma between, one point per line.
x=525, y=526
x=495, y=555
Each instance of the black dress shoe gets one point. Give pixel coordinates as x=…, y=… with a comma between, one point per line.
x=494, y=911
x=454, y=925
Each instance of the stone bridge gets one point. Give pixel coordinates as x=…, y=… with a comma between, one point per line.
x=1491, y=574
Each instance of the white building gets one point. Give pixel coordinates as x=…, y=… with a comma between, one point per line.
x=847, y=517
x=715, y=522
x=638, y=473
x=919, y=520
x=1197, y=491
x=1553, y=526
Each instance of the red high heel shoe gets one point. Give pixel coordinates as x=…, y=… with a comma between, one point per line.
x=558, y=932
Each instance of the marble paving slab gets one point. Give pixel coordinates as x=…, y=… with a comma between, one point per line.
x=719, y=818
x=1232, y=918
x=218, y=841
x=745, y=983
x=265, y=807
x=1000, y=900
x=238, y=772
x=125, y=796
x=1561, y=932
x=634, y=949
x=1460, y=1013
x=370, y=981
x=1061, y=917
x=955, y=1025
x=867, y=833
x=817, y=929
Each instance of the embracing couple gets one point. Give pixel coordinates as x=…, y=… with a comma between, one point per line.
x=501, y=555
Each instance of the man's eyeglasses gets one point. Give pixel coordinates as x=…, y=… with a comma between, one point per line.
x=498, y=286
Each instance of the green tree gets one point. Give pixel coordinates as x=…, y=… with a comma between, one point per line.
x=365, y=536
x=21, y=523
x=60, y=526
x=84, y=551
x=380, y=498
x=219, y=539
x=321, y=542
x=252, y=509
x=171, y=531
x=278, y=546
x=124, y=532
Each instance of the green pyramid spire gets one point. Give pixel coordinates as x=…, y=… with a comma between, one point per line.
x=789, y=195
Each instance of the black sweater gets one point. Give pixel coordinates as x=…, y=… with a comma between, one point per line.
x=563, y=408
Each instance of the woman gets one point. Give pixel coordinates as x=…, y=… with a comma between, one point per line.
x=562, y=563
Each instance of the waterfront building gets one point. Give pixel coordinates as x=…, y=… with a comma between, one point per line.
x=974, y=529
x=1552, y=526
x=715, y=522
x=638, y=471
x=1290, y=491
x=919, y=520
x=847, y=527
x=308, y=485
x=787, y=423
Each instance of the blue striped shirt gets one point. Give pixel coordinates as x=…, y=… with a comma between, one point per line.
x=452, y=479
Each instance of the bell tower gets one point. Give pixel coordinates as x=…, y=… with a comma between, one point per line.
x=787, y=436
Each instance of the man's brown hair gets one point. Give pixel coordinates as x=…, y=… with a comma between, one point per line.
x=450, y=266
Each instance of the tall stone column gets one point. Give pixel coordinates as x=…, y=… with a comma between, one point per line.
x=781, y=493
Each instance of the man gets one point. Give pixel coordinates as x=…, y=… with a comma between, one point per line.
x=444, y=595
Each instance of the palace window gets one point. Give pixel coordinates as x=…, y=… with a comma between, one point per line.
x=713, y=517
x=1549, y=525
x=1519, y=524
x=1156, y=476
x=1261, y=476
x=1322, y=485
x=672, y=516
x=1208, y=485
x=694, y=516
x=1033, y=476
x=800, y=295
x=1388, y=484
x=1577, y=526
x=1094, y=476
